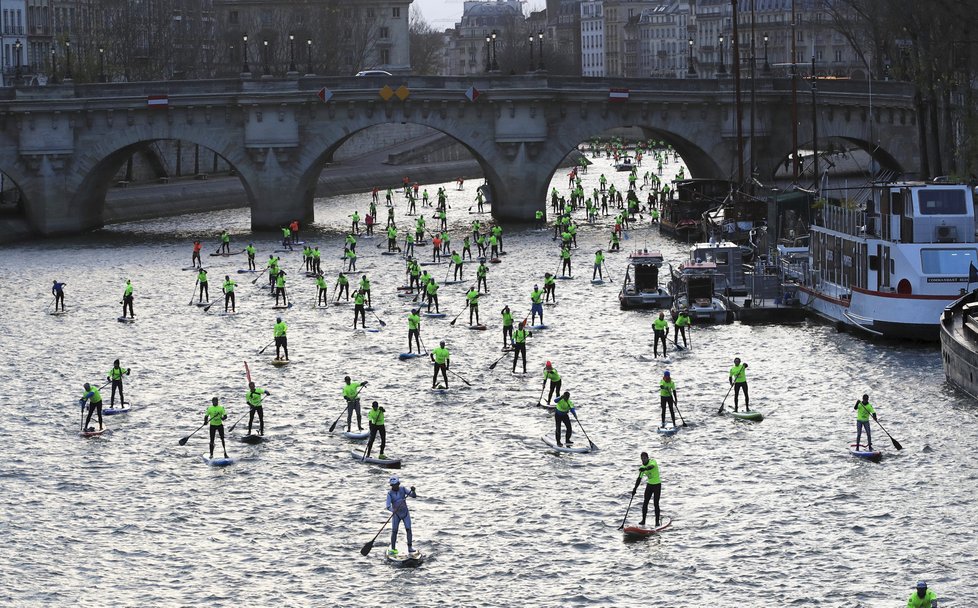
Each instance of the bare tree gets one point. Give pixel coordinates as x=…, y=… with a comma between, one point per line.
x=427, y=44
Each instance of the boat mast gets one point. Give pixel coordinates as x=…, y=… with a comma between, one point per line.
x=753, y=92
x=818, y=180
x=794, y=96
x=738, y=109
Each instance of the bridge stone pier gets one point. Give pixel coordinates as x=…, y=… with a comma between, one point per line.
x=64, y=144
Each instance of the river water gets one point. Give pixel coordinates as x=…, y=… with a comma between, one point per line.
x=772, y=514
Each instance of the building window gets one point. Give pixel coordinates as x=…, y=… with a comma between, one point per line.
x=385, y=56
x=385, y=33
x=233, y=18
x=396, y=12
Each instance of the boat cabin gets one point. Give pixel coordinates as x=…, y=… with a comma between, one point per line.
x=640, y=288
x=728, y=259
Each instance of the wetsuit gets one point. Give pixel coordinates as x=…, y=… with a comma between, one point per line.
x=441, y=358
x=472, y=298
x=375, y=421
x=414, y=329
x=215, y=416
x=554, y=378
x=507, y=327
x=229, y=286
x=351, y=393
x=58, y=291
x=205, y=294
x=281, y=340
x=519, y=347
x=127, y=300
x=358, y=310
x=115, y=375
x=94, y=405
x=321, y=299
x=653, y=489
x=738, y=377
x=563, y=407
x=254, y=399
x=667, y=396
x=397, y=504
x=682, y=322
x=659, y=327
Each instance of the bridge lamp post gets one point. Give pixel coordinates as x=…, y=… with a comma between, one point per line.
x=265, y=69
x=540, y=40
x=244, y=55
x=101, y=64
x=488, y=53
x=68, y=59
x=309, y=54
x=495, y=59
x=531, y=53
x=767, y=64
x=722, y=69
x=292, y=67
x=690, y=70
x=17, y=46
x=54, y=67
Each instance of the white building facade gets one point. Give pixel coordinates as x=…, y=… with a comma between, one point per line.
x=592, y=38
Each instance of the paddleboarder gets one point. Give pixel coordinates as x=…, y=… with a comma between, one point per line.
x=281, y=340
x=922, y=597
x=376, y=424
x=216, y=416
x=549, y=373
x=432, y=291
x=864, y=409
x=228, y=289
x=414, y=330
x=205, y=295
x=738, y=379
x=358, y=309
x=667, y=396
x=225, y=242
x=351, y=392
x=536, y=305
x=365, y=288
x=598, y=261
x=115, y=376
x=127, y=300
x=280, y=288
x=472, y=302
x=94, y=398
x=321, y=298
x=58, y=291
x=481, y=272
x=549, y=290
x=250, y=249
x=507, y=326
x=195, y=257
x=519, y=345
x=653, y=487
x=397, y=505
x=342, y=288
x=254, y=399
x=564, y=406
x=679, y=327
x=442, y=359
x=660, y=327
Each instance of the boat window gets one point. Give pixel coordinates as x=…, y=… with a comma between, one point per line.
x=948, y=261
x=942, y=202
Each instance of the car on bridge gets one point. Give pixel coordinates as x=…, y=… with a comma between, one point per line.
x=373, y=73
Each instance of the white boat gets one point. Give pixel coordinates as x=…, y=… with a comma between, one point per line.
x=892, y=269
x=640, y=289
x=729, y=260
x=694, y=289
x=625, y=164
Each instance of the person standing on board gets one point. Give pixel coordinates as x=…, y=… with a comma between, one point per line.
x=225, y=242
x=414, y=329
x=228, y=289
x=679, y=327
x=294, y=229
x=58, y=291
x=351, y=393
x=254, y=399
x=738, y=379
x=472, y=302
x=358, y=309
x=195, y=257
x=519, y=345
x=205, y=294
x=376, y=424
x=94, y=398
x=536, y=305
x=659, y=327
x=250, y=249
x=442, y=359
x=922, y=597
x=281, y=340
x=564, y=406
x=549, y=373
x=864, y=409
x=127, y=300
x=216, y=416
x=653, y=487
x=667, y=396
x=507, y=326
x=397, y=505
x=321, y=298
x=280, y=288
x=598, y=269
x=115, y=376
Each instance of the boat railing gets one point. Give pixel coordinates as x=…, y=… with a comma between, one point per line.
x=839, y=219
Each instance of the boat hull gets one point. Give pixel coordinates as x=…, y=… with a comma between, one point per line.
x=959, y=347
x=883, y=315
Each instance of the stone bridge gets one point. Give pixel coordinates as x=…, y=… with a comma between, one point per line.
x=63, y=144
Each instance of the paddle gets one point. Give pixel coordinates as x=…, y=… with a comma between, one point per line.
x=379, y=320
x=365, y=550
x=720, y=411
x=422, y=343
x=255, y=280
x=542, y=389
x=593, y=447
x=676, y=403
x=337, y=421
x=450, y=265
x=896, y=443
x=628, y=508
x=197, y=282
x=452, y=372
x=459, y=315
x=496, y=362
x=184, y=440
x=230, y=430
x=265, y=347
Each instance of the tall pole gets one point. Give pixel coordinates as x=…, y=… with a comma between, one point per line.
x=753, y=95
x=488, y=54
x=292, y=67
x=309, y=55
x=735, y=65
x=17, y=47
x=531, y=53
x=818, y=181
x=54, y=66
x=690, y=69
x=68, y=59
x=244, y=54
x=794, y=97
x=540, y=39
x=266, y=70
x=495, y=58
x=722, y=69
x=101, y=64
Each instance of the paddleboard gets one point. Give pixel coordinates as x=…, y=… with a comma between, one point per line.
x=224, y=255
x=251, y=439
x=539, y=326
x=356, y=435
x=451, y=282
x=752, y=416
x=641, y=532
x=207, y=303
x=404, y=559
x=597, y=281
x=283, y=250
x=190, y=268
x=406, y=356
x=563, y=278
x=668, y=430
x=113, y=411
x=369, y=330
x=495, y=261
x=390, y=253
x=280, y=362
x=550, y=441
x=243, y=271
x=125, y=319
x=439, y=389
x=280, y=307
x=58, y=313
x=93, y=432
x=218, y=462
x=229, y=313
x=872, y=456
x=435, y=315
x=478, y=327
x=387, y=463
